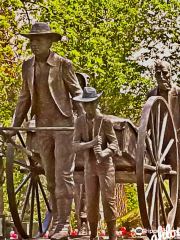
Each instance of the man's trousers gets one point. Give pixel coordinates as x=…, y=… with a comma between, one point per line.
x=57, y=159
x=100, y=177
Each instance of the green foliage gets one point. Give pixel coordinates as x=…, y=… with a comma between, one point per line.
x=73, y=218
x=100, y=36
x=131, y=196
x=10, y=58
x=10, y=69
x=131, y=220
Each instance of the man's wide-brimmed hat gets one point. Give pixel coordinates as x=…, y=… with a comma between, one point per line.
x=41, y=28
x=89, y=95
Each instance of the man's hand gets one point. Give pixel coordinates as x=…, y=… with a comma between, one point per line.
x=96, y=141
x=98, y=152
x=81, y=146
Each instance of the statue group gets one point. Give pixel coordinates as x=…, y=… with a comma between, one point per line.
x=48, y=82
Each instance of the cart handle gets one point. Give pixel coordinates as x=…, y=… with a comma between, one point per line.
x=38, y=128
x=23, y=149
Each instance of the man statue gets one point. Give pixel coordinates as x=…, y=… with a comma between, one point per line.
x=48, y=82
x=166, y=89
x=171, y=93
x=95, y=136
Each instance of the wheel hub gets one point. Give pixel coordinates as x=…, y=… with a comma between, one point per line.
x=163, y=168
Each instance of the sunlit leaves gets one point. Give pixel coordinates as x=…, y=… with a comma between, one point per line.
x=100, y=36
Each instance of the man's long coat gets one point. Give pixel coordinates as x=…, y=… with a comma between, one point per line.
x=62, y=81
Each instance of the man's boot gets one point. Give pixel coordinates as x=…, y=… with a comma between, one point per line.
x=93, y=228
x=111, y=226
x=54, y=213
x=64, y=216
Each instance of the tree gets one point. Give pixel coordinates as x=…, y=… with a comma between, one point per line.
x=98, y=36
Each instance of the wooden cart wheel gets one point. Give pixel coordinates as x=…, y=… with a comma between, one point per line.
x=34, y=209
x=157, y=165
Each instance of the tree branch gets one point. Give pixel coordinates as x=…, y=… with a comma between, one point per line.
x=27, y=13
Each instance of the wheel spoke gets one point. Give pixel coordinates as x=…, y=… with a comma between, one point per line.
x=22, y=164
x=166, y=193
x=162, y=135
x=44, y=196
x=153, y=201
x=167, y=150
x=153, y=135
x=26, y=200
x=21, y=140
x=38, y=209
x=162, y=205
x=32, y=210
x=157, y=207
x=150, y=184
x=158, y=123
x=23, y=183
x=150, y=150
x=149, y=167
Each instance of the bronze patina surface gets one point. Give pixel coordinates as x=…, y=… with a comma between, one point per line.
x=94, y=134
x=48, y=82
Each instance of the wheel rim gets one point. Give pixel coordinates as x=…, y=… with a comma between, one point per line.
x=157, y=165
x=34, y=195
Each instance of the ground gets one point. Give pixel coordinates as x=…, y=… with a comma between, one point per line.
x=104, y=238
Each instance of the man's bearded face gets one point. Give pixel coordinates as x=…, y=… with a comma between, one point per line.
x=163, y=76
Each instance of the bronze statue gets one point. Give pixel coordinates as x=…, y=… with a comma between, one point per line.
x=167, y=89
x=48, y=79
x=93, y=132
x=171, y=93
